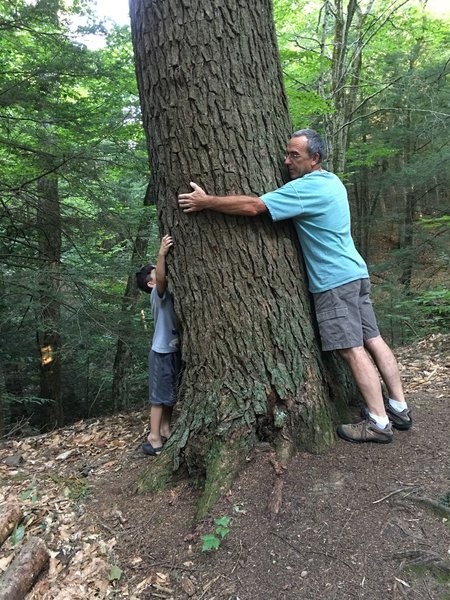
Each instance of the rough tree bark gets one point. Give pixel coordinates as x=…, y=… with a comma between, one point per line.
x=24, y=570
x=9, y=518
x=215, y=112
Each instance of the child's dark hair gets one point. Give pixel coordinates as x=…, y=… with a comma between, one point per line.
x=143, y=277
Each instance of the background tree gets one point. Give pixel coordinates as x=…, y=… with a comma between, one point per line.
x=373, y=75
x=69, y=119
x=71, y=199
x=215, y=112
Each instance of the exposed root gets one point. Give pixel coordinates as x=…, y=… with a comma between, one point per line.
x=225, y=461
x=276, y=497
x=421, y=560
x=435, y=507
x=158, y=474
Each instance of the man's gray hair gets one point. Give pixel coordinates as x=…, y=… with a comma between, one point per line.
x=316, y=145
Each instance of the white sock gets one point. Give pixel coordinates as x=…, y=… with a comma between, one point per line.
x=396, y=405
x=381, y=422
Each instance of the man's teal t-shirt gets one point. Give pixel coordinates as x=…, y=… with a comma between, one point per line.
x=318, y=205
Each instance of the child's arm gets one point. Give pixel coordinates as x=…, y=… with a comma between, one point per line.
x=161, y=278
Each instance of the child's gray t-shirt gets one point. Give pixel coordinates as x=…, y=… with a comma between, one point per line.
x=165, y=336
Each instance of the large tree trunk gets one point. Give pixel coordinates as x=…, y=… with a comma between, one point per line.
x=215, y=112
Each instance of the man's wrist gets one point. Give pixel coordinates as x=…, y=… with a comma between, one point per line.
x=209, y=201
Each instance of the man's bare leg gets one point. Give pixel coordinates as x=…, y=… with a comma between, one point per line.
x=366, y=377
x=387, y=365
x=376, y=428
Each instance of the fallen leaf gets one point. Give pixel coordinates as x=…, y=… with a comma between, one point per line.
x=66, y=454
x=188, y=586
x=4, y=562
x=115, y=573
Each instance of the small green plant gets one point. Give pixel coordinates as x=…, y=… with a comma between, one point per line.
x=74, y=488
x=115, y=573
x=212, y=541
x=30, y=494
x=17, y=534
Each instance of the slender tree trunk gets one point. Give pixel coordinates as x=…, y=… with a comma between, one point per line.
x=124, y=355
x=49, y=318
x=408, y=241
x=215, y=112
x=346, y=62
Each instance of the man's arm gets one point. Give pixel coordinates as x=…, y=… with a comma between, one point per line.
x=160, y=275
x=247, y=206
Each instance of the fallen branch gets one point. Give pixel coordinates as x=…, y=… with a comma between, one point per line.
x=426, y=558
x=276, y=496
x=403, y=489
x=24, y=570
x=208, y=585
x=8, y=520
x=415, y=384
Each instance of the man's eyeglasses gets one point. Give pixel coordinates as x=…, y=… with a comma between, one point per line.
x=292, y=155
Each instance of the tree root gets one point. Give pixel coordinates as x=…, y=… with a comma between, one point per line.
x=435, y=507
x=225, y=461
x=421, y=560
x=279, y=464
x=158, y=475
x=276, y=497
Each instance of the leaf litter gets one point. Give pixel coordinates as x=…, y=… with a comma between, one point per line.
x=52, y=477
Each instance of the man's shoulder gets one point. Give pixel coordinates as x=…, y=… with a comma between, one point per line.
x=320, y=178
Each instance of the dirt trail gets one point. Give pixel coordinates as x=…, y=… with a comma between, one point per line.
x=352, y=523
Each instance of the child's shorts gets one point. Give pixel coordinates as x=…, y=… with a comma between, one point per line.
x=164, y=374
x=345, y=316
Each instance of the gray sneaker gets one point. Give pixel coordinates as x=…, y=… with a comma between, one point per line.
x=366, y=431
x=399, y=419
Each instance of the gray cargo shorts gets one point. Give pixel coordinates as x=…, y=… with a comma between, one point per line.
x=164, y=375
x=345, y=315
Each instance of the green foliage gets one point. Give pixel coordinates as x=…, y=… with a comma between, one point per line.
x=415, y=315
x=24, y=401
x=75, y=489
x=30, y=493
x=115, y=573
x=434, y=222
x=17, y=535
x=212, y=541
x=429, y=310
x=72, y=112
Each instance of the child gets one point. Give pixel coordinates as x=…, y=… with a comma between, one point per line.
x=164, y=356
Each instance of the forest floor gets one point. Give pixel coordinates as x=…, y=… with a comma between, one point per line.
x=359, y=521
